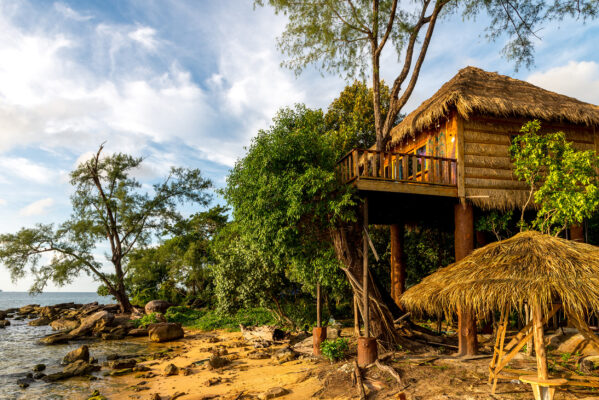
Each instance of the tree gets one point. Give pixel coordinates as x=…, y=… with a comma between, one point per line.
x=348, y=37
x=108, y=207
x=179, y=269
x=562, y=181
x=290, y=205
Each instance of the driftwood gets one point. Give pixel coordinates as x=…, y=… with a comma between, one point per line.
x=359, y=382
x=390, y=370
x=268, y=333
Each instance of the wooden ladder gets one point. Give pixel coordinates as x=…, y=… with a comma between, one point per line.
x=502, y=353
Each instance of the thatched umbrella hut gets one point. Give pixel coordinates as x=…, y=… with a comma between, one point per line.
x=542, y=271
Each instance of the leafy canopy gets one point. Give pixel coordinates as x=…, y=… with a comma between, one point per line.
x=562, y=180
x=110, y=211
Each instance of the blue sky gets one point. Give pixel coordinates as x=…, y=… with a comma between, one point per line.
x=188, y=83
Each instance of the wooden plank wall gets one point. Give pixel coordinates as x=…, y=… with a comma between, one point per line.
x=488, y=177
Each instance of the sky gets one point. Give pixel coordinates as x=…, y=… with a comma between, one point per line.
x=189, y=83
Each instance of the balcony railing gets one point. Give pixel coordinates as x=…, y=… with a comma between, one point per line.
x=398, y=167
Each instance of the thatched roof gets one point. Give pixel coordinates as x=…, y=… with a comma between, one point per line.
x=527, y=267
x=473, y=90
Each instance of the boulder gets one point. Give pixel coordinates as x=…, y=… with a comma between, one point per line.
x=157, y=306
x=165, y=331
x=589, y=364
x=90, y=322
x=4, y=323
x=24, y=382
x=578, y=344
x=3, y=314
x=79, y=368
x=138, y=332
x=56, y=338
x=82, y=353
x=64, y=324
x=41, y=321
x=28, y=309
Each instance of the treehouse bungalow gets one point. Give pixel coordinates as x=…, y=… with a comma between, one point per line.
x=450, y=156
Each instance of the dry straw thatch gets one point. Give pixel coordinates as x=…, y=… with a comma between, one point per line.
x=473, y=90
x=527, y=267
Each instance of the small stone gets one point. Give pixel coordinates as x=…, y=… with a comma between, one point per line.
x=213, y=381
x=218, y=362
x=39, y=367
x=122, y=364
x=39, y=375
x=171, y=369
x=273, y=393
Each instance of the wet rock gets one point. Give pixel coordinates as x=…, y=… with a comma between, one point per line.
x=138, y=332
x=165, y=331
x=79, y=368
x=38, y=375
x=171, y=369
x=64, y=324
x=141, y=368
x=218, y=362
x=39, y=367
x=24, y=382
x=4, y=323
x=284, y=355
x=120, y=372
x=3, y=315
x=121, y=364
x=273, y=393
x=82, y=353
x=96, y=396
x=56, y=338
x=258, y=355
x=88, y=323
x=57, y=376
x=28, y=309
x=157, y=306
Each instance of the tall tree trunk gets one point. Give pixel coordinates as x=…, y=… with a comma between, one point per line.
x=347, y=241
x=121, y=294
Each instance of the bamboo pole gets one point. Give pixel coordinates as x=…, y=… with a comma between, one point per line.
x=539, y=341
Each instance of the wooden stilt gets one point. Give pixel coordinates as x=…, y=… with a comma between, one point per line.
x=365, y=308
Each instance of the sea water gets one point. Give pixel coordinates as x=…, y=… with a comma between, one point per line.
x=19, y=351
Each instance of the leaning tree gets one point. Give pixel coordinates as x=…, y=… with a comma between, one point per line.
x=110, y=210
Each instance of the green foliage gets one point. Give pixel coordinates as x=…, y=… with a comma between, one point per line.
x=184, y=315
x=248, y=317
x=427, y=249
x=146, y=320
x=562, y=180
x=335, y=350
x=109, y=208
x=497, y=223
x=179, y=269
x=285, y=197
x=350, y=117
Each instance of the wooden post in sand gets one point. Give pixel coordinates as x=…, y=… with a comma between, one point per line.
x=543, y=388
x=319, y=334
x=367, y=350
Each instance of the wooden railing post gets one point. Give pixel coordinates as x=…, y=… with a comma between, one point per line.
x=356, y=160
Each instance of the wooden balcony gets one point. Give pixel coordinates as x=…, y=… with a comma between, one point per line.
x=384, y=171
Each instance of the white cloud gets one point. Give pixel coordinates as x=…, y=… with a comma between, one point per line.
x=68, y=12
x=2, y=202
x=22, y=168
x=146, y=36
x=579, y=79
x=37, y=208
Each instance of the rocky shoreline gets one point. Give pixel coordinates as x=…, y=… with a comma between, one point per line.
x=90, y=323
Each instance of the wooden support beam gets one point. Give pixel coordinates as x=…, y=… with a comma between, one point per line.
x=464, y=244
x=398, y=262
x=365, y=272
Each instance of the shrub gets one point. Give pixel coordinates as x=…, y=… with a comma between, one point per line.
x=183, y=315
x=146, y=320
x=207, y=320
x=335, y=350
